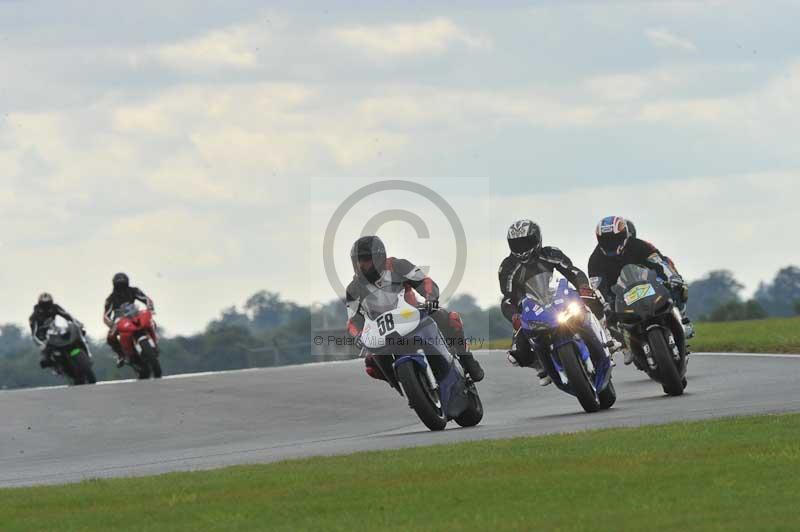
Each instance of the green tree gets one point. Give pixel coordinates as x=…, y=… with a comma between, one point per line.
x=715, y=289
x=736, y=311
x=779, y=297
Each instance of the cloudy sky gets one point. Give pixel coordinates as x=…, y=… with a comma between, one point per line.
x=204, y=148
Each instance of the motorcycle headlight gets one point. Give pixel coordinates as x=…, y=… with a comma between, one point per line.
x=573, y=310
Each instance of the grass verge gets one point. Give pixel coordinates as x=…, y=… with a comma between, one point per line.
x=774, y=335
x=732, y=474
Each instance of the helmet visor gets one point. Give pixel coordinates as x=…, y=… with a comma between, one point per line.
x=523, y=245
x=612, y=244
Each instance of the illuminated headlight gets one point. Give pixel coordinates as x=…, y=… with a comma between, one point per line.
x=573, y=310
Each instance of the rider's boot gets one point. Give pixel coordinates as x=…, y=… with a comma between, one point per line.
x=544, y=378
x=372, y=369
x=628, y=357
x=514, y=358
x=471, y=366
x=120, y=357
x=688, y=327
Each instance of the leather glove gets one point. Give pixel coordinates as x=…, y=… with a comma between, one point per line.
x=676, y=281
x=516, y=322
x=587, y=292
x=431, y=305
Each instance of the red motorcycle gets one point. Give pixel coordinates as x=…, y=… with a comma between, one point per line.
x=137, y=335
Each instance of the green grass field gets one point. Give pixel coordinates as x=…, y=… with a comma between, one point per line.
x=775, y=335
x=733, y=474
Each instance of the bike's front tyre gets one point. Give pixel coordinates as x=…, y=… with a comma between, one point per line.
x=578, y=377
x=421, y=398
x=671, y=380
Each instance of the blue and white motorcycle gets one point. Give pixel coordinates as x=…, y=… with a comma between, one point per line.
x=412, y=354
x=570, y=341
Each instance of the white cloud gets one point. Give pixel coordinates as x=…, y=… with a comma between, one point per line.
x=433, y=36
x=663, y=38
x=236, y=47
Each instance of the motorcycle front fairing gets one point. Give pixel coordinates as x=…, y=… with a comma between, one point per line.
x=557, y=317
x=642, y=302
x=65, y=342
x=133, y=327
x=425, y=347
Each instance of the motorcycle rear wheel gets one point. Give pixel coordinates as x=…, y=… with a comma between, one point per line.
x=608, y=396
x=474, y=412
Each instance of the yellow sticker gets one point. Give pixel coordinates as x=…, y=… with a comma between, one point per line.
x=638, y=293
x=406, y=313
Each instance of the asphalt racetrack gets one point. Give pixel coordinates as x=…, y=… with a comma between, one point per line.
x=188, y=422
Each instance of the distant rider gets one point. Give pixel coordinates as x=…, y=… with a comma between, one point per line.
x=618, y=246
x=44, y=312
x=527, y=259
x=375, y=274
x=123, y=294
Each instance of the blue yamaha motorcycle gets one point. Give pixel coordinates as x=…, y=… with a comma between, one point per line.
x=569, y=340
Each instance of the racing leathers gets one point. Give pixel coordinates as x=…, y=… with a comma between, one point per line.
x=401, y=276
x=606, y=269
x=114, y=302
x=514, y=277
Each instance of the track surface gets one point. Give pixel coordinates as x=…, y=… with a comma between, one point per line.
x=61, y=435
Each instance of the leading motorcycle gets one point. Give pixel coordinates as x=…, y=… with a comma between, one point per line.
x=412, y=354
x=139, y=341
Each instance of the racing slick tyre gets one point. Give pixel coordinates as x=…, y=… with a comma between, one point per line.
x=474, y=412
x=579, y=380
x=150, y=359
x=608, y=396
x=667, y=370
x=425, y=402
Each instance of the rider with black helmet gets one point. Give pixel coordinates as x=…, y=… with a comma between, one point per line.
x=618, y=246
x=44, y=312
x=379, y=276
x=123, y=293
x=529, y=258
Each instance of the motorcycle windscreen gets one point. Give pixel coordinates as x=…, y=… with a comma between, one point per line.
x=381, y=300
x=633, y=274
x=541, y=288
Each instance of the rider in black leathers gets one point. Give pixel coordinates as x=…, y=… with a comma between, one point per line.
x=376, y=275
x=527, y=259
x=618, y=246
x=44, y=312
x=123, y=293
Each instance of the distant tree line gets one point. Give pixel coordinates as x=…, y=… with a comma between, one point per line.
x=717, y=297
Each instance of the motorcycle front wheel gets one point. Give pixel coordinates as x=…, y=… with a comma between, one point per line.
x=421, y=398
x=578, y=377
x=150, y=358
